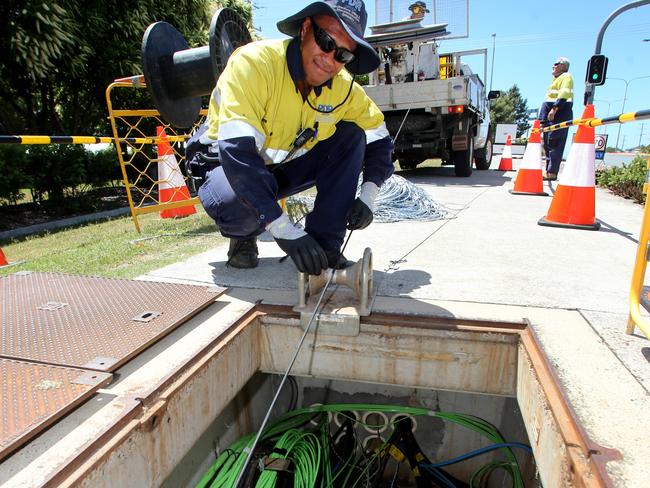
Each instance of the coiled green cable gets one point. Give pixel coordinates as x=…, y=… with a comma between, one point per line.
x=310, y=454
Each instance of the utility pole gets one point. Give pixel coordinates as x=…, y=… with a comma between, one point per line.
x=641, y=134
x=627, y=84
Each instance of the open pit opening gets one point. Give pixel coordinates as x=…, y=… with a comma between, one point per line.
x=493, y=370
x=360, y=434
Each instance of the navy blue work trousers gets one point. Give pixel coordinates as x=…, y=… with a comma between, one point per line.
x=332, y=165
x=555, y=141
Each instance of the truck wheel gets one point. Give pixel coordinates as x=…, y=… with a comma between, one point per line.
x=483, y=156
x=408, y=163
x=463, y=160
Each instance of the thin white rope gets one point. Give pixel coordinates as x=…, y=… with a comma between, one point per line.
x=398, y=200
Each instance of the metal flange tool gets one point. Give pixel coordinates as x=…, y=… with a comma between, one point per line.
x=340, y=314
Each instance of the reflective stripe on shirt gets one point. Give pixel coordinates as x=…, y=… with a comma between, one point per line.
x=561, y=87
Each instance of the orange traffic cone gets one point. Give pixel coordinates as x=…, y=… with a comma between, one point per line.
x=171, y=185
x=574, y=202
x=506, y=157
x=4, y=263
x=529, y=177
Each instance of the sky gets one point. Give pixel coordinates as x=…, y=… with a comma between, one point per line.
x=529, y=37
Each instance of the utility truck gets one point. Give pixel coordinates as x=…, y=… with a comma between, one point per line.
x=434, y=105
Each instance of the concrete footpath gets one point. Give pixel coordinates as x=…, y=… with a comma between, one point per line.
x=488, y=250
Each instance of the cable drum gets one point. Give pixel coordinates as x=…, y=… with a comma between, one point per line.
x=398, y=200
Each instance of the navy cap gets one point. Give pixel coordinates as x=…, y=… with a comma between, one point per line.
x=352, y=16
x=422, y=5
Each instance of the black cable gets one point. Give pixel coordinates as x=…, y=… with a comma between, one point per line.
x=293, y=403
x=332, y=110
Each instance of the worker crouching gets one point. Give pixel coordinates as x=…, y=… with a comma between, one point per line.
x=285, y=117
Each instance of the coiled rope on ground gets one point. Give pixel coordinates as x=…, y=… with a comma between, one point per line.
x=398, y=200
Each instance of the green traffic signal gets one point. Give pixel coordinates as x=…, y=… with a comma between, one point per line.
x=596, y=69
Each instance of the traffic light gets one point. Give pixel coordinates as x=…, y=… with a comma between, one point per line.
x=597, y=69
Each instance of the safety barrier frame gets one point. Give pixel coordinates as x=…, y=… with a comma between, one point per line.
x=640, y=264
x=143, y=201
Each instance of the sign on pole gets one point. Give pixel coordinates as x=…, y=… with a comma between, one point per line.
x=600, y=143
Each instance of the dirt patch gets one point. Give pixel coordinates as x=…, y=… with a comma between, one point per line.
x=92, y=201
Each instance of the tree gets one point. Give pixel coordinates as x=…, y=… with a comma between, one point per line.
x=510, y=108
x=57, y=57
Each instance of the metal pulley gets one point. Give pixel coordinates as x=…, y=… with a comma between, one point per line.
x=342, y=308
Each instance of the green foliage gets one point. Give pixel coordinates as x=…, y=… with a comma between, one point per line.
x=56, y=60
x=12, y=168
x=57, y=57
x=56, y=171
x=626, y=181
x=362, y=79
x=102, y=167
x=510, y=108
x=242, y=7
x=56, y=175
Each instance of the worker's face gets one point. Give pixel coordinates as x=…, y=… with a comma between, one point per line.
x=558, y=69
x=417, y=12
x=318, y=65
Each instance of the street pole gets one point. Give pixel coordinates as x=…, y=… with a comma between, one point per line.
x=590, y=90
x=494, y=42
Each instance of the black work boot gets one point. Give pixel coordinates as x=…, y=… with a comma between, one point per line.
x=336, y=260
x=242, y=253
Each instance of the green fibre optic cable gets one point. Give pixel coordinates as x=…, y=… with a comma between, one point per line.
x=309, y=450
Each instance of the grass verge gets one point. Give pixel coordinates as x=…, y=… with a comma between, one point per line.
x=113, y=248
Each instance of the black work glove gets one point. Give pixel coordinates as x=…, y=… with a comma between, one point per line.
x=306, y=254
x=359, y=216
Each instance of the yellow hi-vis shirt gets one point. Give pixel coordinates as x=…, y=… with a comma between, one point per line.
x=561, y=87
x=255, y=96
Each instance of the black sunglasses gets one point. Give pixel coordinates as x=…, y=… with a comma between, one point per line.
x=326, y=44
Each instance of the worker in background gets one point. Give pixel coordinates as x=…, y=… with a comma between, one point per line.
x=557, y=107
x=418, y=9
x=285, y=117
